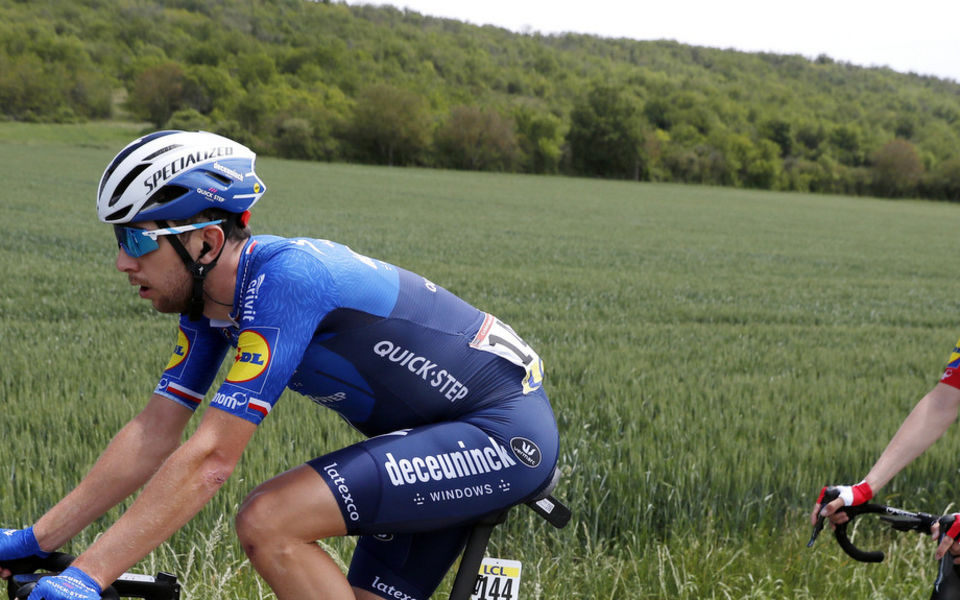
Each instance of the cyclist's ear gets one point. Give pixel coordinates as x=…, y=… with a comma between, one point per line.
x=212, y=238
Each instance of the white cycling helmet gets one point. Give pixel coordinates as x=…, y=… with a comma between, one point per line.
x=175, y=175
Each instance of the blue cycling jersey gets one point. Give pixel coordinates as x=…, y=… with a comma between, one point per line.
x=453, y=395
x=384, y=347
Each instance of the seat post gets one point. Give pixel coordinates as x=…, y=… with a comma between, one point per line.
x=473, y=552
x=544, y=504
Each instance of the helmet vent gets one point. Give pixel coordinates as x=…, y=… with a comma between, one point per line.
x=127, y=152
x=118, y=216
x=125, y=183
x=161, y=151
x=164, y=195
x=224, y=181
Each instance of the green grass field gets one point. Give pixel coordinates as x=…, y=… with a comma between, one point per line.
x=714, y=357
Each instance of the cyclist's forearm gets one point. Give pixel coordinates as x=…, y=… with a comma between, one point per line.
x=186, y=481
x=131, y=458
x=930, y=418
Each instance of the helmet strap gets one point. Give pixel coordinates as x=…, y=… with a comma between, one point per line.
x=197, y=270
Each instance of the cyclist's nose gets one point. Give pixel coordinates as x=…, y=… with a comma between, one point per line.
x=124, y=262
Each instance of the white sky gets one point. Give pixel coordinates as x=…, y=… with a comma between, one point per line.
x=920, y=36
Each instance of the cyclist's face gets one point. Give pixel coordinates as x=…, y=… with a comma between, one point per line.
x=160, y=275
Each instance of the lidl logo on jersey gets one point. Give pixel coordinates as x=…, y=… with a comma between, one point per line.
x=185, y=339
x=180, y=351
x=252, y=360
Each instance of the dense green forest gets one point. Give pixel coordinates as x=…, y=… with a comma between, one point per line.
x=327, y=81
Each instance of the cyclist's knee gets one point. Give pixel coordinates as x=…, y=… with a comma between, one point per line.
x=260, y=526
x=288, y=510
x=255, y=519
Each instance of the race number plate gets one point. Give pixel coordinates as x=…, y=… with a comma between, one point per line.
x=497, y=337
x=499, y=579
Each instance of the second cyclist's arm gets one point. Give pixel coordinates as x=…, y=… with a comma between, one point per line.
x=930, y=418
x=130, y=459
x=188, y=479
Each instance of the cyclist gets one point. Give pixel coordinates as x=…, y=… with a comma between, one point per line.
x=450, y=399
x=930, y=418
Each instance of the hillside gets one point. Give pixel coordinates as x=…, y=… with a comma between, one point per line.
x=327, y=81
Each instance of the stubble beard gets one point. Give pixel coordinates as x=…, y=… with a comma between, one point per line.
x=178, y=301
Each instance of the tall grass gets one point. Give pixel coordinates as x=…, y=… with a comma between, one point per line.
x=714, y=356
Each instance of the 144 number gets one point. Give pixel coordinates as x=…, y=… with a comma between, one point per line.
x=493, y=588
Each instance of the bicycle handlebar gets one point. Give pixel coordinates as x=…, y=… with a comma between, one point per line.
x=56, y=561
x=163, y=586
x=898, y=519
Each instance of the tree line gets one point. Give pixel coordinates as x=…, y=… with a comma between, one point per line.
x=327, y=81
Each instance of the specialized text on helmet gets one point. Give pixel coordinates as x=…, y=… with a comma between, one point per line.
x=182, y=163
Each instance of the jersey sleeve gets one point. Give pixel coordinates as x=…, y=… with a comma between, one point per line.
x=282, y=308
x=194, y=364
x=951, y=373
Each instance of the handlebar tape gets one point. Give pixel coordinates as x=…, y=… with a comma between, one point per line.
x=856, y=553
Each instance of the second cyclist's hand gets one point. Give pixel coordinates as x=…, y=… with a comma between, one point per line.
x=847, y=495
x=71, y=584
x=949, y=543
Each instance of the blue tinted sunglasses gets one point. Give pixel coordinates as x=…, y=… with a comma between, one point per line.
x=137, y=242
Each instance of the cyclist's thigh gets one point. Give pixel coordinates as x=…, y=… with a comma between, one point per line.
x=441, y=475
x=295, y=503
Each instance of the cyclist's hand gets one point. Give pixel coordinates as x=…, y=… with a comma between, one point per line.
x=18, y=543
x=949, y=542
x=71, y=584
x=847, y=495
